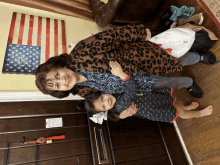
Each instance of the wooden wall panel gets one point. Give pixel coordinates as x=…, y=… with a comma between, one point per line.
x=82, y=160
x=132, y=127
x=49, y=151
x=136, y=139
x=139, y=152
x=160, y=160
x=37, y=123
x=39, y=108
x=22, y=155
x=57, y=150
x=2, y=156
x=71, y=134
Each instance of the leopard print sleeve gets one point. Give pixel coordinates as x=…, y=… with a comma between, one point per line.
x=105, y=41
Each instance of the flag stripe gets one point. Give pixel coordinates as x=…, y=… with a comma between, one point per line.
x=39, y=31
x=47, y=38
x=26, y=28
x=11, y=32
x=35, y=31
x=21, y=31
x=59, y=37
x=55, y=37
x=16, y=31
x=63, y=37
x=30, y=33
x=43, y=41
x=51, y=37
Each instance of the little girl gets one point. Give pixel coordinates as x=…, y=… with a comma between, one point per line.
x=158, y=105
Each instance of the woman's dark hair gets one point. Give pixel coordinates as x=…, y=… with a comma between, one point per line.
x=113, y=114
x=61, y=61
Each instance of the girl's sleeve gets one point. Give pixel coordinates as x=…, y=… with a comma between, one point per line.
x=107, y=40
x=126, y=99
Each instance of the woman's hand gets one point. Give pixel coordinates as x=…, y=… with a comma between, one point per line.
x=148, y=34
x=117, y=70
x=129, y=112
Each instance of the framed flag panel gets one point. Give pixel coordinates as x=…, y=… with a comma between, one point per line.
x=32, y=41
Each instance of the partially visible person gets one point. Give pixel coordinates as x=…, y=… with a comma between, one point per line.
x=158, y=105
x=87, y=65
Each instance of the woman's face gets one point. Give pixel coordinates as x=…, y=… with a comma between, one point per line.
x=104, y=103
x=61, y=79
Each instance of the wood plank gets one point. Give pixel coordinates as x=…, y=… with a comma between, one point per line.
x=173, y=144
x=136, y=139
x=39, y=123
x=128, y=119
x=201, y=135
x=160, y=160
x=133, y=127
x=71, y=134
x=39, y=108
x=58, y=150
x=2, y=156
x=82, y=159
x=140, y=152
x=22, y=155
x=49, y=151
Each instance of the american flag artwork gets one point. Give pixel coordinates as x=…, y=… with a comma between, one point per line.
x=32, y=41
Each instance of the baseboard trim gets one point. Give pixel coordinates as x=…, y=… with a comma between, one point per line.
x=182, y=143
x=172, y=144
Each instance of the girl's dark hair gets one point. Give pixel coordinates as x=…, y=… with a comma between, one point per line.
x=61, y=61
x=113, y=114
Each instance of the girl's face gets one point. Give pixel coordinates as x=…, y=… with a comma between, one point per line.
x=61, y=79
x=104, y=103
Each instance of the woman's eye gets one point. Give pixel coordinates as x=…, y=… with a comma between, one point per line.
x=58, y=86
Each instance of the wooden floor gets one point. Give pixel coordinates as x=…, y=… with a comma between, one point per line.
x=202, y=135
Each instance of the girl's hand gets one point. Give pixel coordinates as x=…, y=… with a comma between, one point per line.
x=129, y=112
x=148, y=34
x=116, y=70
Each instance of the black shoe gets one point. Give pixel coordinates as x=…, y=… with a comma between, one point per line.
x=195, y=90
x=207, y=57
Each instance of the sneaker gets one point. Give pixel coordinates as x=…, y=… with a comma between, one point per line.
x=197, y=19
x=207, y=57
x=195, y=90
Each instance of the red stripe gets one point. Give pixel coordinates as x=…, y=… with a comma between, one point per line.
x=127, y=77
x=21, y=31
x=12, y=28
x=30, y=33
x=177, y=111
x=47, y=55
x=39, y=31
x=55, y=37
x=210, y=13
x=63, y=37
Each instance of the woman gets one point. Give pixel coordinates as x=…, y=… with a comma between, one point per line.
x=87, y=65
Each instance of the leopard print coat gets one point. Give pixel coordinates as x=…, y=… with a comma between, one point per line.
x=129, y=47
